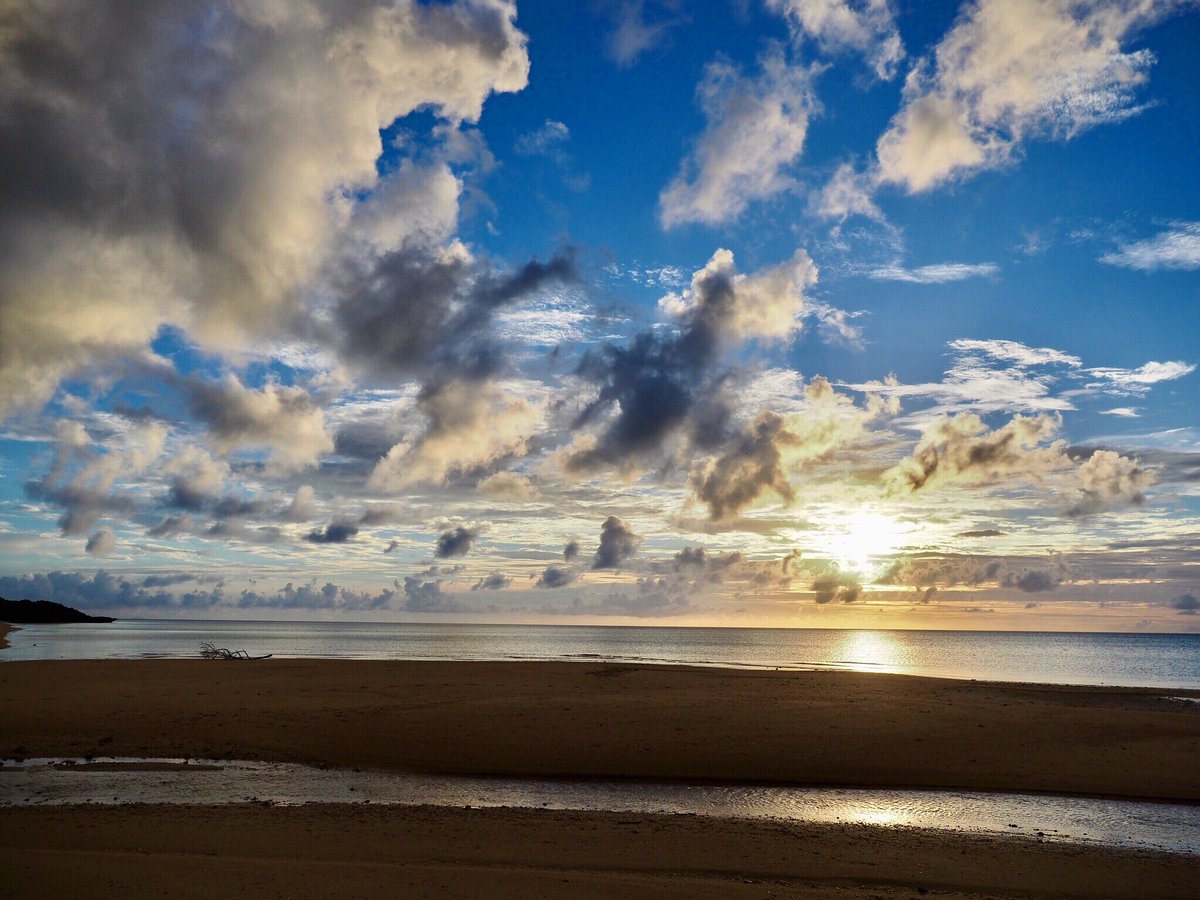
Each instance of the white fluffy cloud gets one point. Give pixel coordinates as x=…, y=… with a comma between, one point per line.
x=1011, y=70
x=863, y=26
x=755, y=130
x=195, y=173
x=768, y=305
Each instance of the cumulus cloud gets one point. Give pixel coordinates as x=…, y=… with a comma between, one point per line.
x=224, y=140
x=1176, y=248
x=1009, y=71
x=336, y=532
x=544, y=139
x=759, y=458
x=837, y=26
x=455, y=542
x=301, y=507
x=286, y=421
x=571, y=550
x=494, y=582
x=422, y=595
x=755, y=130
x=102, y=542
x=1034, y=581
x=617, y=543
x=470, y=426
x=1107, y=479
x=556, y=576
x=509, y=486
x=847, y=193
x=962, y=449
x=843, y=588
x=195, y=478
x=661, y=383
x=751, y=465
x=83, y=477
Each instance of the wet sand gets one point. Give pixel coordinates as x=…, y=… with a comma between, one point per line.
x=581, y=720
x=607, y=721
x=5, y=631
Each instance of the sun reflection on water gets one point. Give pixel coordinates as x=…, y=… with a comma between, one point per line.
x=874, y=651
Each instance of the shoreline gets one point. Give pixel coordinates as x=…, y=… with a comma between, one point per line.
x=621, y=722
x=5, y=630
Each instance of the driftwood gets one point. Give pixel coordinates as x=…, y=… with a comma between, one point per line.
x=209, y=651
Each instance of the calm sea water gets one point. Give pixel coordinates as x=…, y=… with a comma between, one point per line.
x=1146, y=660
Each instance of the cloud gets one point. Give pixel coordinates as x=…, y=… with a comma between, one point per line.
x=633, y=33
x=195, y=479
x=844, y=588
x=494, y=582
x=102, y=542
x=286, y=421
x=941, y=273
x=755, y=130
x=455, y=542
x=509, y=486
x=1107, y=479
x=1139, y=380
x=847, y=193
x=301, y=508
x=98, y=590
x=750, y=465
x=981, y=532
x=1031, y=582
x=571, y=550
x=1124, y=412
x=223, y=141
x=556, y=576
x=336, y=532
x=652, y=597
x=962, y=449
x=470, y=426
x=661, y=383
x=1187, y=604
x=617, y=543
x=309, y=596
x=1009, y=71
x=421, y=595
x=83, y=477
x=837, y=26
x=1176, y=248
x=544, y=140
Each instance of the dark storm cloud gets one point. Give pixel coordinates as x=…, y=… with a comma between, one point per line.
x=980, y=533
x=494, y=582
x=696, y=560
x=1032, y=582
x=422, y=595
x=750, y=465
x=336, y=532
x=1187, y=604
x=99, y=591
x=556, y=576
x=617, y=544
x=455, y=542
x=571, y=550
x=827, y=588
x=309, y=596
x=410, y=312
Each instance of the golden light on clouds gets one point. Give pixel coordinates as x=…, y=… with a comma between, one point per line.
x=862, y=542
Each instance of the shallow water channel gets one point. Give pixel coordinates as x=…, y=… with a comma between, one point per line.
x=1123, y=823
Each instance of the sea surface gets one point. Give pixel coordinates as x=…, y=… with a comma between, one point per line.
x=1135, y=660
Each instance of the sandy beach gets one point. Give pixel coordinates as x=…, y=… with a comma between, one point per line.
x=582, y=720
x=5, y=631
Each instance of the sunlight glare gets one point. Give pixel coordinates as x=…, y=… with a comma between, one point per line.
x=860, y=540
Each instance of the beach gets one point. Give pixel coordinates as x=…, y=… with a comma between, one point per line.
x=578, y=720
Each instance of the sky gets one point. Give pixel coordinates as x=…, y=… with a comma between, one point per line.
x=827, y=313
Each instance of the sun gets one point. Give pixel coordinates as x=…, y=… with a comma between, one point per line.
x=858, y=541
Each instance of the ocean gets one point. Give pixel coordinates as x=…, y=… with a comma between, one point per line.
x=1134, y=660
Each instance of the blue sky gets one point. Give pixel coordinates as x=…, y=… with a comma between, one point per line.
x=795, y=312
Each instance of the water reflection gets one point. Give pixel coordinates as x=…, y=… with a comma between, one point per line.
x=1074, y=819
x=875, y=651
